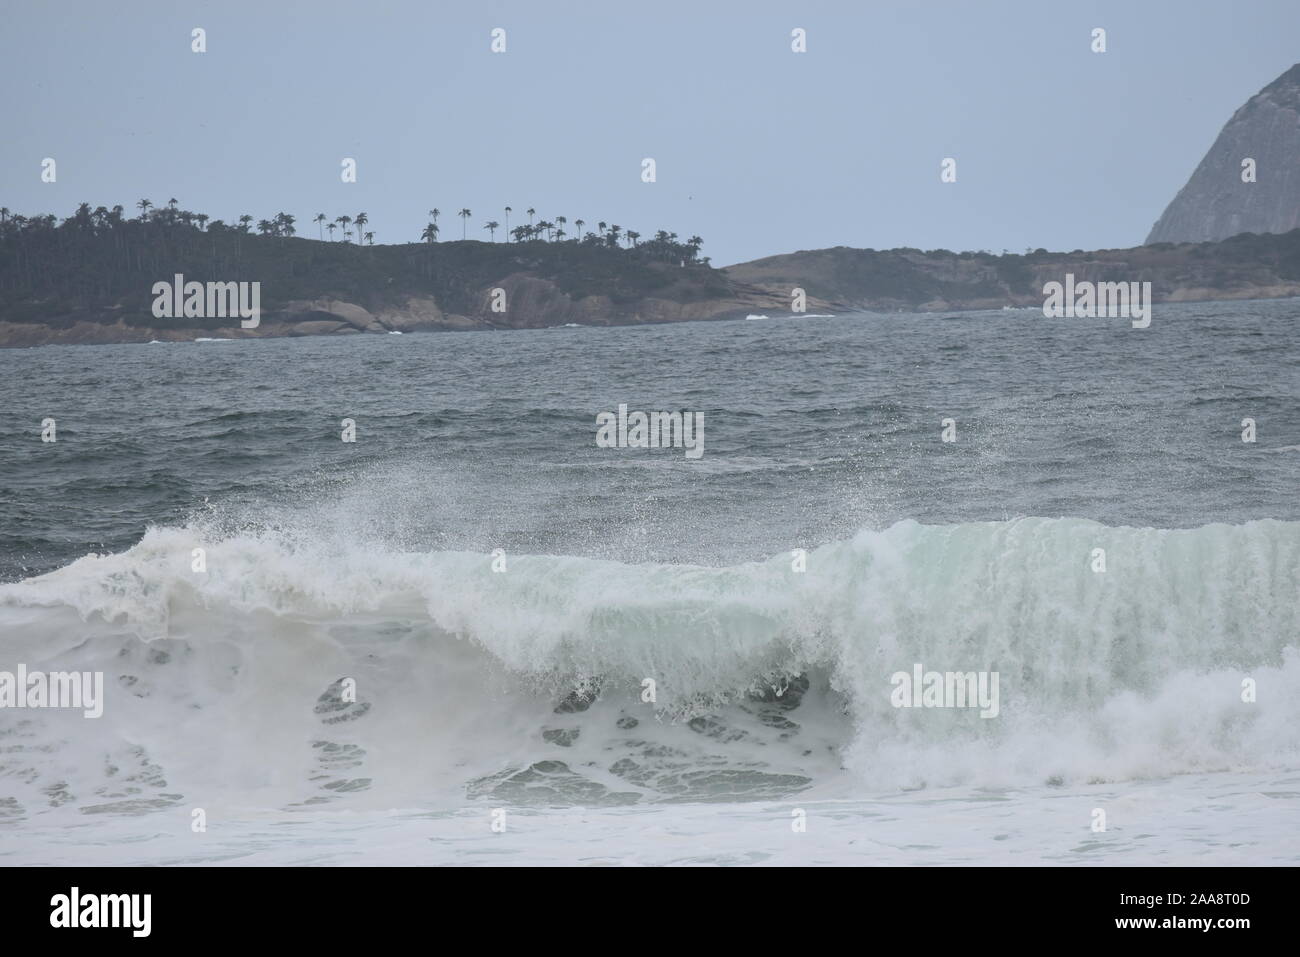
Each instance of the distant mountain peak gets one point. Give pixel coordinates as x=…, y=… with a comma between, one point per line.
x=1216, y=203
x=1291, y=78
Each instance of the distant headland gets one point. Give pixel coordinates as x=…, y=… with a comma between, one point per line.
x=89, y=278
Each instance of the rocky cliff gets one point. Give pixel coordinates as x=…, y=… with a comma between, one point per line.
x=1216, y=203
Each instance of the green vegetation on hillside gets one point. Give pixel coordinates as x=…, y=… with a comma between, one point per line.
x=101, y=263
x=99, y=266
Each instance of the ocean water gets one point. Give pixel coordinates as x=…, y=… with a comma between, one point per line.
x=473, y=636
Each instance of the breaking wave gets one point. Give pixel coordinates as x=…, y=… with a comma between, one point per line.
x=300, y=671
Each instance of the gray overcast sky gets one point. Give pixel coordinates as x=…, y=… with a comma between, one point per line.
x=759, y=150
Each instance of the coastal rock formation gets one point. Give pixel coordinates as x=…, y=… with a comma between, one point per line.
x=1216, y=203
x=454, y=287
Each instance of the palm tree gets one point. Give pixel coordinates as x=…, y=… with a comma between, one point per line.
x=331, y=227
x=508, y=212
x=361, y=220
x=244, y=221
x=144, y=205
x=464, y=214
x=601, y=226
x=632, y=237
x=370, y=238
x=343, y=221
x=492, y=229
x=579, y=223
x=561, y=220
x=320, y=221
x=531, y=211
x=430, y=234
x=201, y=219
x=435, y=213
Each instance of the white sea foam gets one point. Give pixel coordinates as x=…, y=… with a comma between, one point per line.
x=768, y=681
